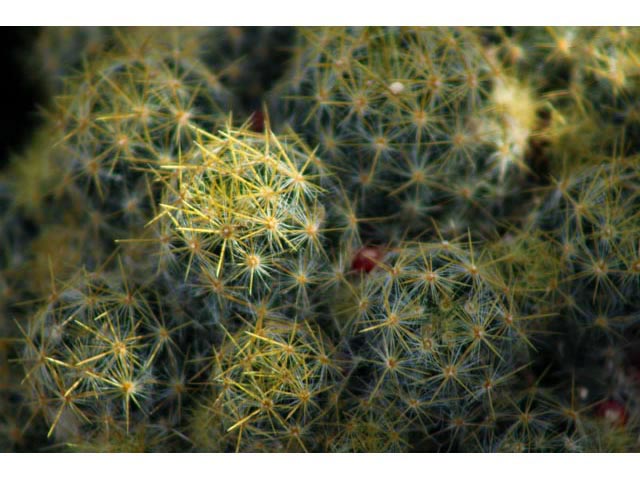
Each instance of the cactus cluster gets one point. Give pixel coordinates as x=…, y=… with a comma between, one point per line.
x=378, y=240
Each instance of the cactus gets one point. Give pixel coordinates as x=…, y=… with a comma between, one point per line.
x=268, y=388
x=430, y=328
x=410, y=239
x=249, y=202
x=421, y=122
x=90, y=356
x=589, y=77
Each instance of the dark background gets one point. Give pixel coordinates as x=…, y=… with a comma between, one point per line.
x=22, y=92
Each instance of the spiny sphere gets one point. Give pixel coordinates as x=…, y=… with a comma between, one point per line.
x=245, y=207
x=93, y=355
x=414, y=119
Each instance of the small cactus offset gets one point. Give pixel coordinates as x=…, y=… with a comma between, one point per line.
x=335, y=239
x=244, y=203
x=268, y=389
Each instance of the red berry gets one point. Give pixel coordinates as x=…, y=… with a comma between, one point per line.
x=257, y=121
x=367, y=258
x=613, y=412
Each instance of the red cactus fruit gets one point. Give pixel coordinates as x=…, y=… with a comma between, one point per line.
x=367, y=258
x=257, y=121
x=613, y=412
